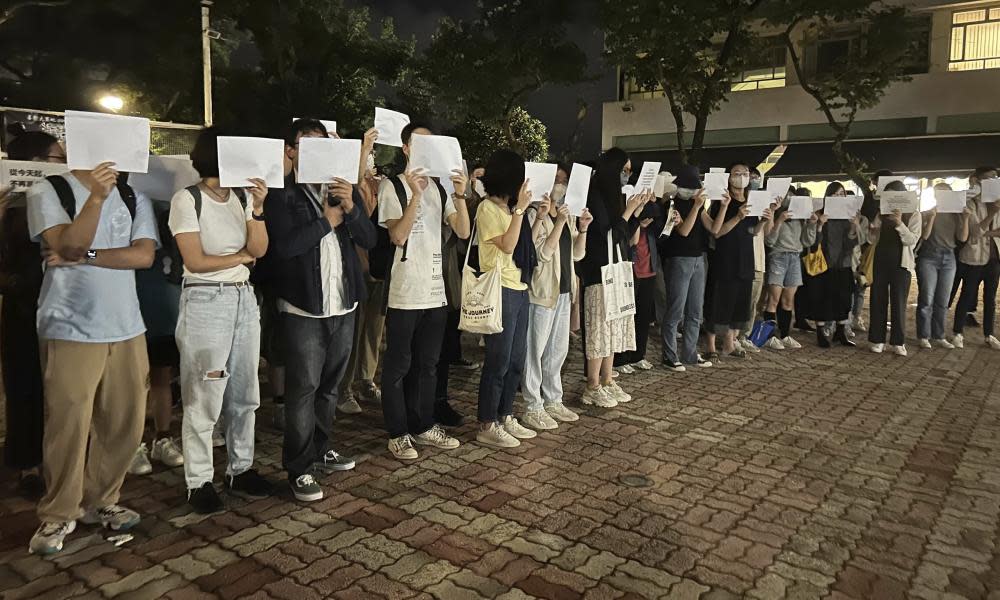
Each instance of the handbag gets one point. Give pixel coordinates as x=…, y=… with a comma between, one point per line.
x=815, y=262
x=867, y=267
x=618, y=284
x=482, y=298
x=761, y=332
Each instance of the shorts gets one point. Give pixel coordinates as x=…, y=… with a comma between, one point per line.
x=162, y=351
x=784, y=269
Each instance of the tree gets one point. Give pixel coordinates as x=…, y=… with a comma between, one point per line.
x=481, y=138
x=857, y=80
x=484, y=69
x=691, y=49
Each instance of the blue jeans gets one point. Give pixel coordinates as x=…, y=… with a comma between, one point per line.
x=503, y=366
x=935, y=275
x=316, y=355
x=685, y=277
x=548, y=345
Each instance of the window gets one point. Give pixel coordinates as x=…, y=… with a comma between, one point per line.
x=975, y=40
x=768, y=71
x=633, y=91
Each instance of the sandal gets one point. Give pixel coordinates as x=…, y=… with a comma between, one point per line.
x=738, y=353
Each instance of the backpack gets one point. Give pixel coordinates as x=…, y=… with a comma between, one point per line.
x=68, y=200
x=380, y=258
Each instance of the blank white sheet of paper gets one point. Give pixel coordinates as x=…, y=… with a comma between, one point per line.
x=244, y=158
x=991, y=190
x=331, y=126
x=757, y=202
x=840, y=208
x=778, y=186
x=166, y=176
x=578, y=188
x=800, y=207
x=390, y=124
x=321, y=160
x=93, y=138
x=716, y=184
x=950, y=202
x=439, y=155
x=541, y=177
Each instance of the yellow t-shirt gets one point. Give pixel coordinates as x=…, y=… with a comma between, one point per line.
x=492, y=221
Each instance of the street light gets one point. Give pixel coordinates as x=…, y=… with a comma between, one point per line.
x=111, y=102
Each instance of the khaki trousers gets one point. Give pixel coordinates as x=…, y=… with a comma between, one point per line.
x=95, y=406
x=367, y=338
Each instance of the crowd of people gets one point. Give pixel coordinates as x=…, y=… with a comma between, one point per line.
x=102, y=286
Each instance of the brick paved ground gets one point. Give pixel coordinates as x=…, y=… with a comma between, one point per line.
x=797, y=475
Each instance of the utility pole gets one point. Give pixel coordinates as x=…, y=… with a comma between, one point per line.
x=206, y=59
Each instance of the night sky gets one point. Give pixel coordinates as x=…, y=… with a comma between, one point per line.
x=554, y=106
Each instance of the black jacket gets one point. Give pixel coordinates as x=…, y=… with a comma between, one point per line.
x=295, y=230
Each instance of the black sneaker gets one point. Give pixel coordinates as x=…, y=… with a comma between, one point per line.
x=205, y=500
x=676, y=367
x=464, y=364
x=334, y=461
x=445, y=415
x=249, y=483
x=305, y=488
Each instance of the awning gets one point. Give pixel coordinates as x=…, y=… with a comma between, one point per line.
x=707, y=158
x=929, y=157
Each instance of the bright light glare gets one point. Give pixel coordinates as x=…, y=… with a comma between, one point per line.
x=111, y=102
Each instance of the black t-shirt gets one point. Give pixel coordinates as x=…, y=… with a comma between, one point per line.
x=696, y=242
x=565, y=261
x=733, y=257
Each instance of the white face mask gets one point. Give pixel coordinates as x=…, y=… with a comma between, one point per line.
x=558, y=193
x=686, y=193
x=741, y=181
x=479, y=188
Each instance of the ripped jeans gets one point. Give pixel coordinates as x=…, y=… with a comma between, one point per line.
x=218, y=335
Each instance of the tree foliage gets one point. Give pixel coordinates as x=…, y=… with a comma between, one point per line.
x=481, y=138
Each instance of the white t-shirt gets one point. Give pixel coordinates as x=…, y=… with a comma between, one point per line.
x=417, y=283
x=222, y=227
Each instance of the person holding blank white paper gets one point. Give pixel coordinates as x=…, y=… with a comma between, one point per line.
x=981, y=259
x=896, y=236
x=219, y=231
x=831, y=293
x=784, y=270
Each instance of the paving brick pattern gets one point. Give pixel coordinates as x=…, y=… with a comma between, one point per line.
x=803, y=474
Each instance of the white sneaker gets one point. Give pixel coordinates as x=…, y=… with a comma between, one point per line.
x=539, y=419
x=899, y=350
x=943, y=343
x=402, y=448
x=926, y=344
x=167, y=452
x=349, y=406
x=614, y=374
x=704, y=364
x=993, y=342
x=774, y=344
x=860, y=325
x=749, y=346
x=958, y=341
x=675, y=367
x=626, y=369
x=789, y=342
x=643, y=365
x=878, y=348
x=140, y=462
x=496, y=436
x=114, y=517
x=48, y=538
x=615, y=391
x=516, y=429
x=559, y=412
x=598, y=397
x=435, y=436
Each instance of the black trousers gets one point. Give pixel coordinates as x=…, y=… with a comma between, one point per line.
x=831, y=295
x=974, y=276
x=889, y=291
x=451, y=351
x=22, y=382
x=645, y=309
x=409, y=368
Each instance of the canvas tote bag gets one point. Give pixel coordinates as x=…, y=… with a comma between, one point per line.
x=482, y=298
x=619, y=285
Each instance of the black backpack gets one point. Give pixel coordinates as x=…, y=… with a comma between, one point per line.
x=380, y=258
x=68, y=200
x=168, y=257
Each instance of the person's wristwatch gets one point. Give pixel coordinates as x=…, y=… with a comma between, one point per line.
x=257, y=217
x=519, y=211
x=91, y=256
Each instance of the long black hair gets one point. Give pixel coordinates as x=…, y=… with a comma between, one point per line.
x=504, y=175
x=28, y=145
x=607, y=179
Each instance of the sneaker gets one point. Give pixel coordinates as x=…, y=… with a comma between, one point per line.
x=349, y=406
x=334, y=461
x=598, y=397
x=249, y=483
x=402, y=448
x=496, y=436
x=370, y=392
x=878, y=348
x=305, y=488
x=464, y=364
x=539, y=420
x=614, y=373
x=789, y=342
x=925, y=344
x=958, y=341
x=849, y=331
x=993, y=342
x=774, y=344
x=167, y=452
x=517, y=430
x=447, y=416
x=627, y=369
x=899, y=350
x=943, y=343
x=559, y=412
x=435, y=436
x=860, y=325
x=617, y=393
x=676, y=367
x=643, y=365
x=712, y=357
x=205, y=500
x=140, y=462
x=748, y=345
x=113, y=517
x=704, y=364
x=48, y=538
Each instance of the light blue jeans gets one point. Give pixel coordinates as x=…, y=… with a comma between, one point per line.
x=685, y=277
x=548, y=345
x=935, y=275
x=218, y=335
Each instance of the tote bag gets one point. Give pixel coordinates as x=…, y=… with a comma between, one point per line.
x=482, y=298
x=619, y=285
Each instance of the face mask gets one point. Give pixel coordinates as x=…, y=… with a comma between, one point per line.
x=624, y=178
x=479, y=188
x=558, y=193
x=755, y=184
x=741, y=181
x=685, y=193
